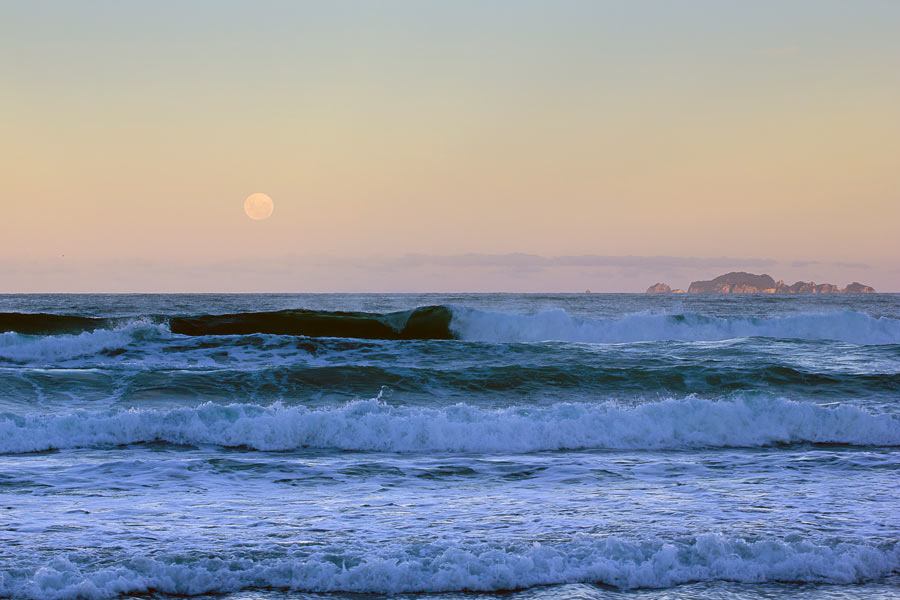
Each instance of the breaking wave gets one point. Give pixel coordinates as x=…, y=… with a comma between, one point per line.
x=18, y=348
x=439, y=567
x=558, y=325
x=371, y=425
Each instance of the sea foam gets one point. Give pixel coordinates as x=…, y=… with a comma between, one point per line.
x=371, y=425
x=443, y=567
x=559, y=325
x=18, y=348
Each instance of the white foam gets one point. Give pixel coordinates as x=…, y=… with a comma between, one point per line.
x=19, y=348
x=371, y=425
x=443, y=567
x=558, y=325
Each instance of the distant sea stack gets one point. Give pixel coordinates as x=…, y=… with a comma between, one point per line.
x=858, y=288
x=662, y=288
x=748, y=283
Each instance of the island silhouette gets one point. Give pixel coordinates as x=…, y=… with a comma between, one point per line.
x=740, y=282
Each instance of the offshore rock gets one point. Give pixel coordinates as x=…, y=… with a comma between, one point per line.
x=662, y=288
x=735, y=283
x=740, y=282
x=859, y=288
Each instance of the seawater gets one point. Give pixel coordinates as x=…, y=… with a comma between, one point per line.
x=555, y=446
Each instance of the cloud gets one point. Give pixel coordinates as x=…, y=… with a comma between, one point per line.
x=519, y=260
x=846, y=265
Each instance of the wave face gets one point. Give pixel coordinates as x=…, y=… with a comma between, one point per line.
x=370, y=425
x=559, y=325
x=48, y=324
x=483, y=567
x=427, y=322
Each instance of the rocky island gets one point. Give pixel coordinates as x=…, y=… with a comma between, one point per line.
x=748, y=283
x=662, y=288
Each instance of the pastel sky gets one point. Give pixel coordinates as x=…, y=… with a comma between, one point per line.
x=453, y=146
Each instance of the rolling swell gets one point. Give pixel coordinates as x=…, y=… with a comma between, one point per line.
x=486, y=382
x=454, y=322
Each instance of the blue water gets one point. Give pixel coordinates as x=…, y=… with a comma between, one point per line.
x=561, y=446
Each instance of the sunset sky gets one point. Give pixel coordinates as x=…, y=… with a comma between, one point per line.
x=456, y=146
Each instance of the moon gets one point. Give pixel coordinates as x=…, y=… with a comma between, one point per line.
x=258, y=206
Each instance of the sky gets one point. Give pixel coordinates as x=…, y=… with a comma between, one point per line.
x=447, y=146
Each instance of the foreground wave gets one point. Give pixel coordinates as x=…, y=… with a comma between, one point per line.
x=450, y=322
x=371, y=425
x=438, y=567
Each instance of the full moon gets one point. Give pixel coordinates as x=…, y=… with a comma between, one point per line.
x=258, y=206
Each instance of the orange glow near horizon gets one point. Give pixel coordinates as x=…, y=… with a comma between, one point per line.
x=730, y=131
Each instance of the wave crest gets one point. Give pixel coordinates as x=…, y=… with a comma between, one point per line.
x=19, y=348
x=371, y=425
x=558, y=325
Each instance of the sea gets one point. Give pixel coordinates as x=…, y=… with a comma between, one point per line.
x=450, y=446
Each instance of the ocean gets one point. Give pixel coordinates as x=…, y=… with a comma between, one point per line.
x=517, y=446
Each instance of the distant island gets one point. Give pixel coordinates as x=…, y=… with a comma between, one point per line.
x=748, y=283
x=662, y=288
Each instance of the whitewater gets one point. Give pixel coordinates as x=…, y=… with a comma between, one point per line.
x=449, y=446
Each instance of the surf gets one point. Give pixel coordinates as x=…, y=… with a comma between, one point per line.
x=558, y=325
x=375, y=426
x=442, y=566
